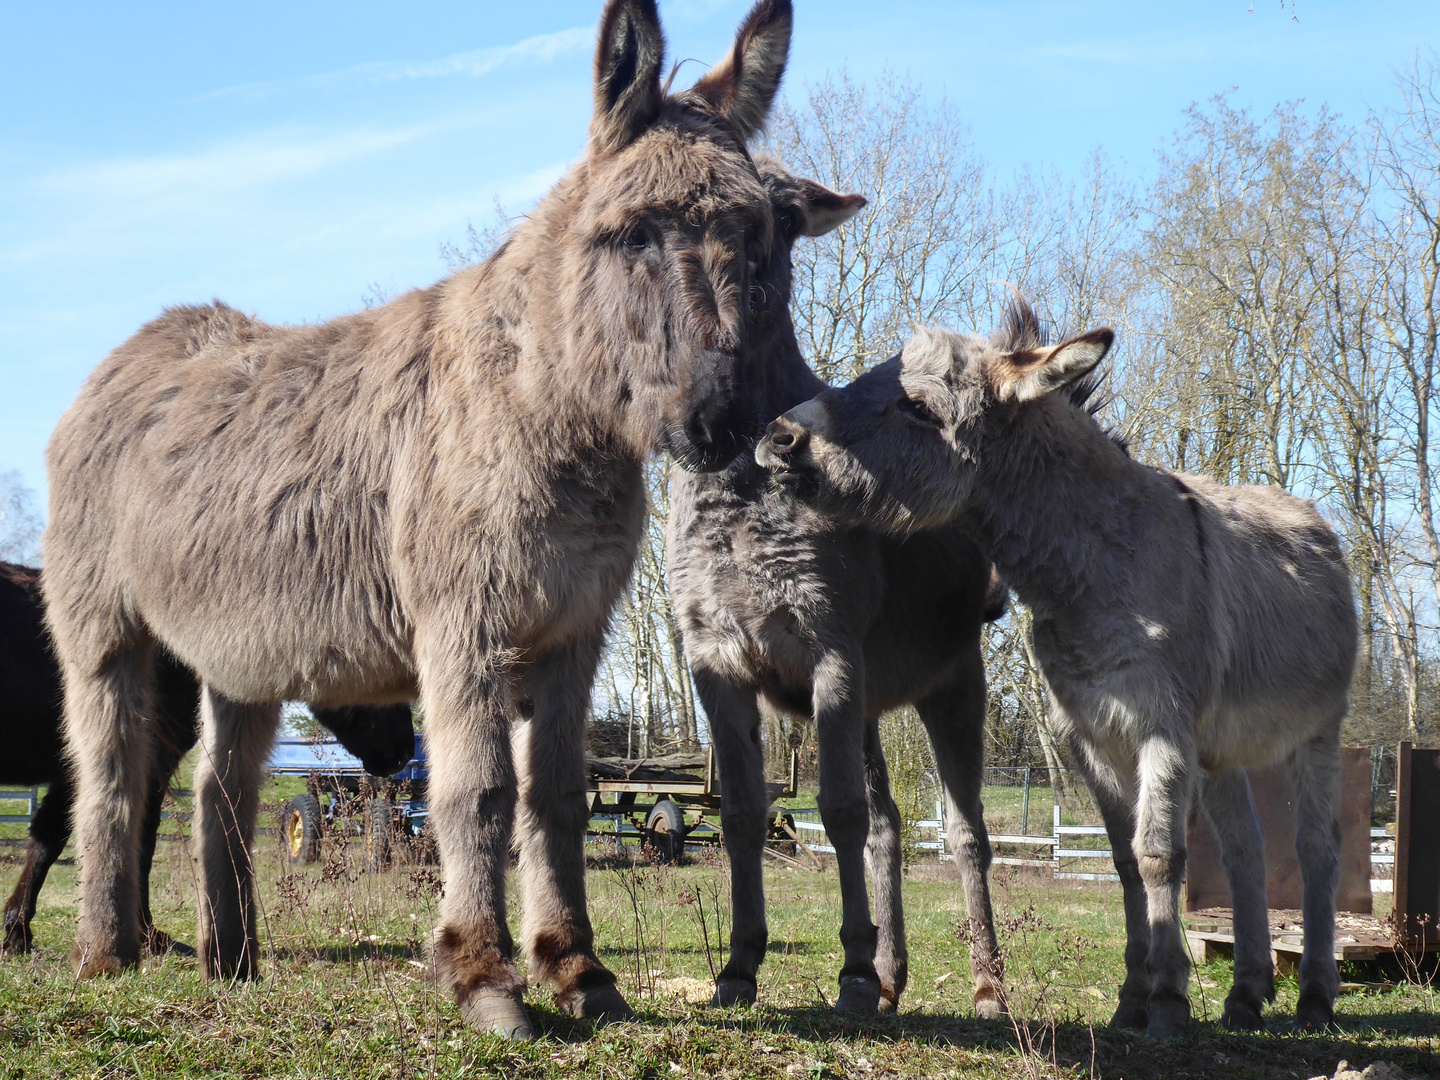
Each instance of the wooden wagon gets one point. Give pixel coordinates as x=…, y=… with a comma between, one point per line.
x=662, y=802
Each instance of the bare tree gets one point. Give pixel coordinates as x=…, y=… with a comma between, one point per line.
x=20, y=524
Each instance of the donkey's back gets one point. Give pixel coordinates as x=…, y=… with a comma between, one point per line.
x=1282, y=621
x=214, y=463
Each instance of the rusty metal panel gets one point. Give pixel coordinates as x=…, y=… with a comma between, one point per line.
x=1417, y=844
x=1205, y=884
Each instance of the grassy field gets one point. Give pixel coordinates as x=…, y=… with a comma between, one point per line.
x=345, y=992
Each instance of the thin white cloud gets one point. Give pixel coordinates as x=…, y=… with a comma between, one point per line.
x=227, y=166
x=110, y=195
x=532, y=52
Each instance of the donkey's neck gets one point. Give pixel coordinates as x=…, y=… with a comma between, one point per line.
x=508, y=315
x=1055, y=499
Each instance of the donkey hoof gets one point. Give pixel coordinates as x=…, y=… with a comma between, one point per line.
x=859, y=994
x=1242, y=1016
x=1315, y=1012
x=159, y=943
x=90, y=965
x=16, y=944
x=1132, y=1015
x=989, y=1004
x=1169, y=1017
x=603, y=1004
x=730, y=992
x=503, y=1014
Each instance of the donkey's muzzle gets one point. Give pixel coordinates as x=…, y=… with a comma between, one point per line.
x=783, y=438
x=710, y=437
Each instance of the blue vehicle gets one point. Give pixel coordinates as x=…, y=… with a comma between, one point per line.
x=386, y=805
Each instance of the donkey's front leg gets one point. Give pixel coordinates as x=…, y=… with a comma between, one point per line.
x=1164, y=767
x=883, y=855
x=955, y=720
x=735, y=734
x=472, y=804
x=1114, y=794
x=1242, y=851
x=235, y=740
x=839, y=694
x=1315, y=776
x=553, y=812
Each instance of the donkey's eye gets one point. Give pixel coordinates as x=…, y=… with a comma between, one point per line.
x=917, y=410
x=637, y=239
x=789, y=223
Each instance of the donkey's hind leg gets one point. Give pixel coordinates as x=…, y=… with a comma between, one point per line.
x=1114, y=794
x=553, y=811
x=735, y=733
x=110, y=747
x=235, y=741
x=49, y=830
x=1242, y=850
x=883, y=856
x=1315, y=776
x=955, y=719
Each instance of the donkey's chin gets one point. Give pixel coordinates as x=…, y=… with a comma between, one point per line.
x=695, y=458
x=795, y=483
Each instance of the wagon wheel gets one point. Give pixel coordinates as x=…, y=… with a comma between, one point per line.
x=665, y=832
x=782, y=834
x=300, y=827
x=377, y=834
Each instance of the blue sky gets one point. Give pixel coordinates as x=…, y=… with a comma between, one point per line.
x=287, y=158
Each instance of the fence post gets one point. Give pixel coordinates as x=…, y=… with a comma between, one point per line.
x=1025, y=806
x=1056, y=848
x=940, y=817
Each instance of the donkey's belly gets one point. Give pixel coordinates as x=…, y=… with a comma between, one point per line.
x=263, y=619
x=262, y=651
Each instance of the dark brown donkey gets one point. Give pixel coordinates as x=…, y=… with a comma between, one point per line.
x=382, y=737
x=779, y=603
x=439, y=496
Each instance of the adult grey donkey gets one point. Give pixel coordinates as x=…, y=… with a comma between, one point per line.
x=1186, y=629
x=779, y=604
x=439, y=497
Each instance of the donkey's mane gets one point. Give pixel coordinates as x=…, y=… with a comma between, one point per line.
x=1021, y=328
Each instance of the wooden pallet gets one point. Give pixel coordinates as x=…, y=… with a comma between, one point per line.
x=1210, y=935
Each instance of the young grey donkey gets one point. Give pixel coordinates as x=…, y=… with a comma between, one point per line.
x=441, y=497
x=1186, y=629
x=780, y=604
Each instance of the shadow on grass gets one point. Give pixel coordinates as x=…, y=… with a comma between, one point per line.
x=347, y=954
x=1058, y=1049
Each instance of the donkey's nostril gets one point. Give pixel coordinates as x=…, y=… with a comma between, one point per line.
x=782, y=440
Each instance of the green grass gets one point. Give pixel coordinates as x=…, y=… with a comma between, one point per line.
x=344, y=990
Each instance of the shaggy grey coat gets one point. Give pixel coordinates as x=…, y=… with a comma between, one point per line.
x=779, y=604
x=1186, y=629
x=439, y=496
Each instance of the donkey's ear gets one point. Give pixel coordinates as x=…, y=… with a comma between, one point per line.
x=1032, y=373
x=627, y=73
x=742, y=86
x=825, y=209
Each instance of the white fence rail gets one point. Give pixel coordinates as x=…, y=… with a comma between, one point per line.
x=29, y=796
x=1057, y=851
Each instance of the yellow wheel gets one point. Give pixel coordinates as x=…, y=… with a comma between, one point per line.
x=300, y=827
